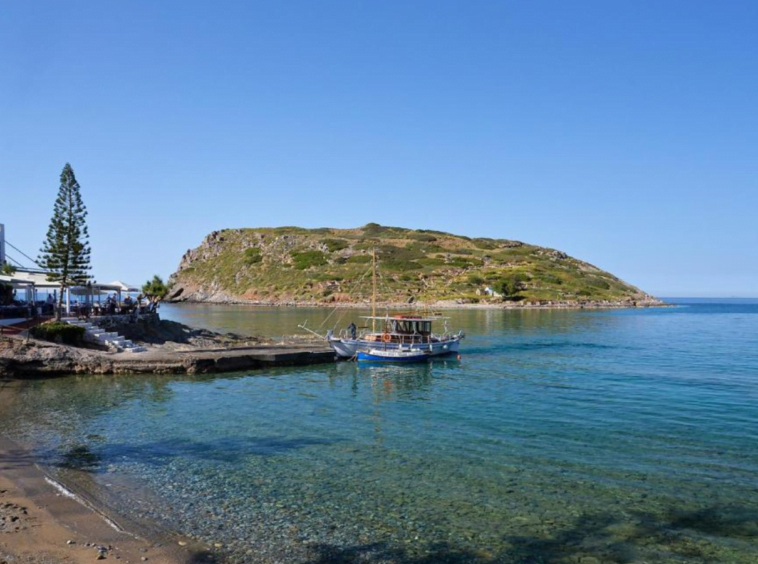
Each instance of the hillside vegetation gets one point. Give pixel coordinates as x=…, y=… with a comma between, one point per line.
x=297, y=265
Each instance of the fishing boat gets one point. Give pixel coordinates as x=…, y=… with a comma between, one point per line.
x=404, y=331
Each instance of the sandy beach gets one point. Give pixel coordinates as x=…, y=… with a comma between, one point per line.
x=43, y=523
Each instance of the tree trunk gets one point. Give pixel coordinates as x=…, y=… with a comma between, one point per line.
x=60, y=304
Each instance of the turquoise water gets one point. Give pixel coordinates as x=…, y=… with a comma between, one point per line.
x=560, y=436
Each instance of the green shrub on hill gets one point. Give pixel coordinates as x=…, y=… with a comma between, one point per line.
x=394, y=253
x=253, y=255
x=432, y=261
x=373, y=229
x=462, y=262
x=423, y=237
x=510, y=285
x=308, y=259
x=334, y=245
x=396, y=265
x=597, y=283
x=485, y=243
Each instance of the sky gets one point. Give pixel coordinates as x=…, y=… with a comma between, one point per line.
x=624, y=133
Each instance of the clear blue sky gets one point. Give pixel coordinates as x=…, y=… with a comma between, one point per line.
x=624, y=133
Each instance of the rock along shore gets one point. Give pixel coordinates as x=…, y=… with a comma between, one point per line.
x=228, y=299
x=172, y=348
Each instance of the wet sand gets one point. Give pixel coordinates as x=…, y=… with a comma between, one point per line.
x=43, y=523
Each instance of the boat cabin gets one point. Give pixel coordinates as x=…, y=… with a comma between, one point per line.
x=401, y=328
x=406, y=325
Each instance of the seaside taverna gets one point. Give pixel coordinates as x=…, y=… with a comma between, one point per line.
x=34, y=297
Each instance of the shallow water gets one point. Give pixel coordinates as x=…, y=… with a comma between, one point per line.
x=560, y=436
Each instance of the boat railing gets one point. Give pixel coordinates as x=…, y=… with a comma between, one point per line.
x=400, y=338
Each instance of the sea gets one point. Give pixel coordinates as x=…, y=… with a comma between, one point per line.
x=559, y=436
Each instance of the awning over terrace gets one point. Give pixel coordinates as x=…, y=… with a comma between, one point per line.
x=32, y=281
x=120, y=286
x=37, y=279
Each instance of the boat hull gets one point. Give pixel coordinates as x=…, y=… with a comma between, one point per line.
x=377, y=356
x=349, y=348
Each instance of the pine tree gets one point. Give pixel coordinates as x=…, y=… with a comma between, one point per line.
x=66, y=252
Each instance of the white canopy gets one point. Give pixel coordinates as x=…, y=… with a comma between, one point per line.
x=40, y=282
x=118, y=285
x=39, y=279
x=13, y=281
x=33, y=280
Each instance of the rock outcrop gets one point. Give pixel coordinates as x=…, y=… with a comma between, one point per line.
x=296, y=266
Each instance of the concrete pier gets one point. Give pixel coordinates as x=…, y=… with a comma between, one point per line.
x=222, y=360
x=21, y=358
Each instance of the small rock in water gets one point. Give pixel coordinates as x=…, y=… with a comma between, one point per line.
x=182, y=543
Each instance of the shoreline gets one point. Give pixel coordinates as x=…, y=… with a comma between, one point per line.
x=46, y=521
x=441, y=305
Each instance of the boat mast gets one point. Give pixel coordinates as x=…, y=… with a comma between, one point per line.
x=373, y=295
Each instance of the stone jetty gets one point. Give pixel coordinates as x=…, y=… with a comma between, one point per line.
x=29, y=358
x=167, y=348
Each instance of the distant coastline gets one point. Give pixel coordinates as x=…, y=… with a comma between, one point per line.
x=702, y=300
x=441, y=305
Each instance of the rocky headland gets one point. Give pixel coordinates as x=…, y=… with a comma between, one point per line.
x=292, y=266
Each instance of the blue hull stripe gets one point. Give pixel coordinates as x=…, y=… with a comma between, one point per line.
x=378, y=358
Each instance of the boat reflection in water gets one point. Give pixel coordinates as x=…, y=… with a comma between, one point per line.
x=392, y=382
